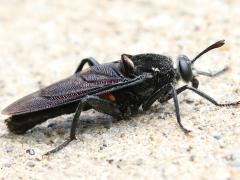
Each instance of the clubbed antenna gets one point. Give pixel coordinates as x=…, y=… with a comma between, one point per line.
x=213, y=46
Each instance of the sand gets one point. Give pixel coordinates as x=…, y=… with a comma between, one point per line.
x=43, y=41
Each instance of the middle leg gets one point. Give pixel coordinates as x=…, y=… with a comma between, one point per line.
x=212, y=74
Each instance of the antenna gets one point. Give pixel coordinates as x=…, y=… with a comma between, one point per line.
x=213, y=46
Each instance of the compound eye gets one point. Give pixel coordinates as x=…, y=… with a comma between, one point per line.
x=185, y=68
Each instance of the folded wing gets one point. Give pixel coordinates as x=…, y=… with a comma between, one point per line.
x=92, y=81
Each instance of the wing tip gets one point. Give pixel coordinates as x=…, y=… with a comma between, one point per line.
x=6, y=111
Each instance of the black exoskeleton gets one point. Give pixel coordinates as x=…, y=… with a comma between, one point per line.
x=118, y=88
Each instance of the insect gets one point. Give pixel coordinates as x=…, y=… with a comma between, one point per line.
x=117, y=88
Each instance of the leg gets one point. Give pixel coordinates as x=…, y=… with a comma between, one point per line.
x=159, y=93
x=212, y=74
x=91, y=62
x=210, y=99
x=195, y=83
x=169, y=96
x=96, y=103
x=202, y=94
x=173, y=95
x=175, y=99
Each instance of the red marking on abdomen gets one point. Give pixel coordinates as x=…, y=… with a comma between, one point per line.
x=108, y=96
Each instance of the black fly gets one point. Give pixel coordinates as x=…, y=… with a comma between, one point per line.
x=118, y=89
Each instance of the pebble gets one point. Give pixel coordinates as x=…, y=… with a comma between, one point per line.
x=30, y=151
x=192, y=158
x=7, y=165
x=233, y=159
x=30, y=164
x=9, y=149
x=217, y=137
x=110, y=161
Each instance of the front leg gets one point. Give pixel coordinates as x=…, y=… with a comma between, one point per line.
x=101, y=105
x=177, y=110
x=174, y=94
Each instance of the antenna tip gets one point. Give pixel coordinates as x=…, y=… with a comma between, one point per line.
x=213, y=46
x=219, y=43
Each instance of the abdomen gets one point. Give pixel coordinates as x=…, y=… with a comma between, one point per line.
x=20, y=123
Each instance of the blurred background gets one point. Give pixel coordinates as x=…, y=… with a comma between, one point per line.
x=43, y=41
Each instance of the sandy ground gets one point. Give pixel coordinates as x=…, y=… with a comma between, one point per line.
x=43, y=41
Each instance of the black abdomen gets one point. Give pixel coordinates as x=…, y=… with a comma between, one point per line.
x=19, y=124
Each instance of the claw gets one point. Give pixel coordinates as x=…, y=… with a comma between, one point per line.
x=58, y=148
x=186, y=131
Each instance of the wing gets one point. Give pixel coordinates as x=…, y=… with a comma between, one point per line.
x=92, y=81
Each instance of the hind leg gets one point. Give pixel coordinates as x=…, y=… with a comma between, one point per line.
x=96, y=103
x=91, y=62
